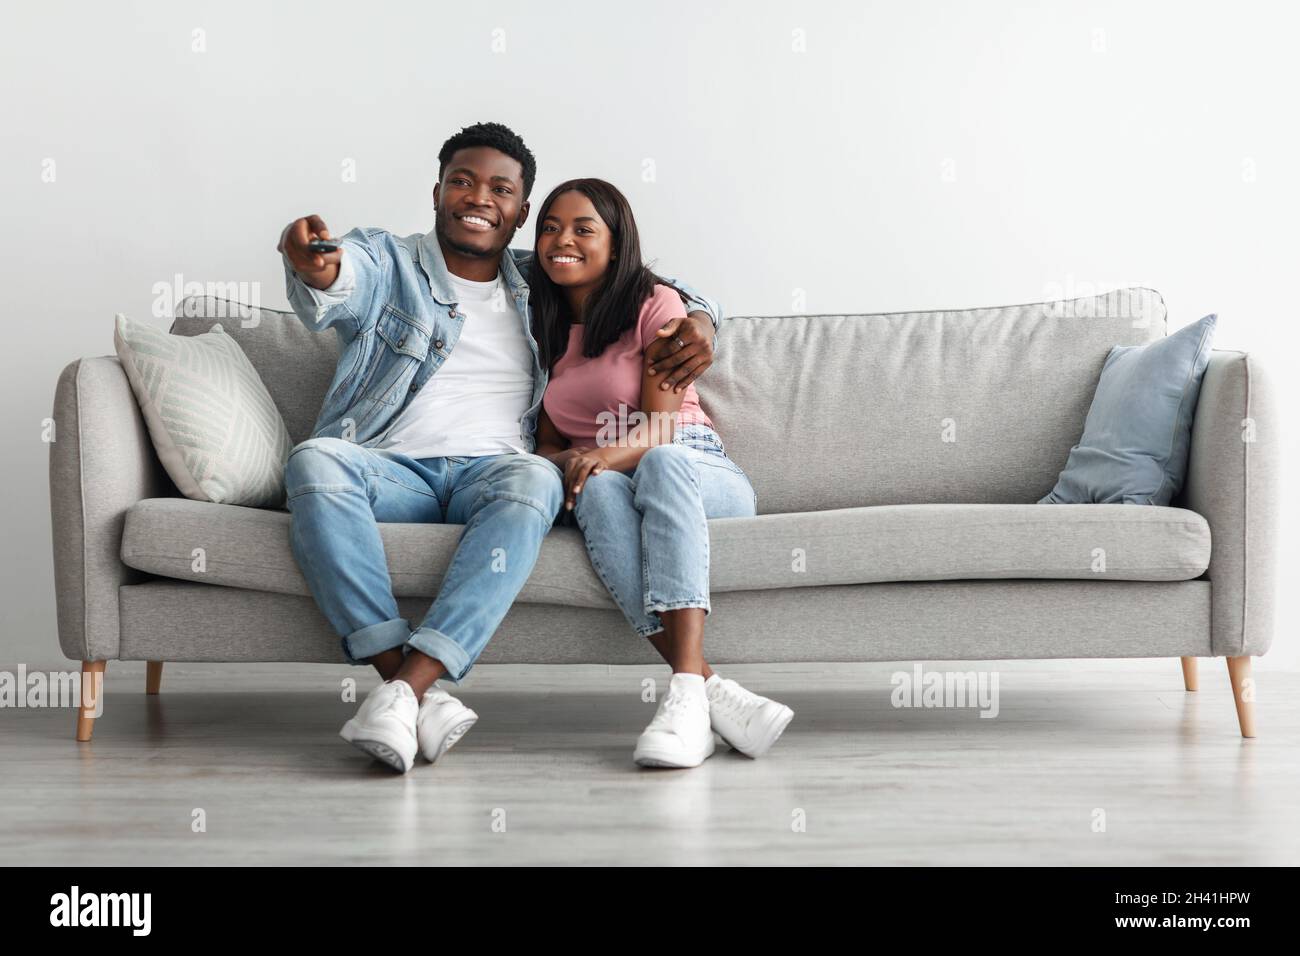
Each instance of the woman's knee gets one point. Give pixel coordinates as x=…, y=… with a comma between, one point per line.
x=603, y=490
x=666, y=472
x=668, y=464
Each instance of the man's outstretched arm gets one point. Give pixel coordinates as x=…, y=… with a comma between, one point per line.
x=327, y=289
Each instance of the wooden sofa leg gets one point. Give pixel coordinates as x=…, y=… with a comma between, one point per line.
x=1189, y=673
x=153, y=677
x=92, y=691
x=1243, y=692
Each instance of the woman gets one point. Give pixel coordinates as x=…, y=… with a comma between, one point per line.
x=643, y=467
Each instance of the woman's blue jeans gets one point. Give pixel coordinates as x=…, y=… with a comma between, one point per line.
x=338, y=491
x=647, y=532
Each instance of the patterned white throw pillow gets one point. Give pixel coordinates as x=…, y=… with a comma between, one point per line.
x=212, y=421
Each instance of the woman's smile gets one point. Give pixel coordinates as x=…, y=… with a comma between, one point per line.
x=574, y=243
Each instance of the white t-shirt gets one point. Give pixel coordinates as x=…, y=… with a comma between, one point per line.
x=474, y=403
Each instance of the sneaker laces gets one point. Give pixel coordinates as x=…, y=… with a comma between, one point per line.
x=735, y=700
x=672, y=704
x=395, y=699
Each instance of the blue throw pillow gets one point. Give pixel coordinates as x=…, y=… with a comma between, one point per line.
x=1136, y=437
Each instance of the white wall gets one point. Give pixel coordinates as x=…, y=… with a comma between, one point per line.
x=917, y=155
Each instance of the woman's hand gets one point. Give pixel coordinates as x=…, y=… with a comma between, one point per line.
x=561, y=458
x=577, y=469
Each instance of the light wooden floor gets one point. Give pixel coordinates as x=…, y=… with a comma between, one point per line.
x=256, y=748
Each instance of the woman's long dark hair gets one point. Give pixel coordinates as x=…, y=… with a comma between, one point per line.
x=614, y=306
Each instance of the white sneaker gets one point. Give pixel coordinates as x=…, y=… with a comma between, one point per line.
x=442, y=721
x=744, y=720
x=679, y=735
x=384, y=725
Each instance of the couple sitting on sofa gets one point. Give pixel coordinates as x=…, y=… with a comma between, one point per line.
x=502, y=391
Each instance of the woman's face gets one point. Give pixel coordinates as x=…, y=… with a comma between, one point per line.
x=575, y=244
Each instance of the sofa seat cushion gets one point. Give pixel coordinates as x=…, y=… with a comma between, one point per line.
x=249, y=548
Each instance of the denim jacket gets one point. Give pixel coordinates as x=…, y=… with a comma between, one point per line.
x=398, y=324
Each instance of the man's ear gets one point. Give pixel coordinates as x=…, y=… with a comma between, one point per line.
x=435, y=194
x=523, y=215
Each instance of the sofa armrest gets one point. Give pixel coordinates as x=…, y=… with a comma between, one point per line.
x=101, y=463
x=1233, y=482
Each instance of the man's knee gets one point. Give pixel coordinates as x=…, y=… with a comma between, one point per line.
x=320, y=464
x=528, y=480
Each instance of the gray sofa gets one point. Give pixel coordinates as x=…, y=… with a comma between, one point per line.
x=897, y=459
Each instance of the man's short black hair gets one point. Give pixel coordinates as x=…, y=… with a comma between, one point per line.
x=496, y=136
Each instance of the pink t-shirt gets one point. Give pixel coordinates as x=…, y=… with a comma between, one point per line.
x=582, y=388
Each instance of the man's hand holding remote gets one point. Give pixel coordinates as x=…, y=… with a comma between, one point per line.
x=317, y=269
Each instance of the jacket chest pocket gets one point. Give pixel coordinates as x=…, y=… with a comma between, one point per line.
x=400, y=348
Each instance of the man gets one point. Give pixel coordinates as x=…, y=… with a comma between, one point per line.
x=430, y=418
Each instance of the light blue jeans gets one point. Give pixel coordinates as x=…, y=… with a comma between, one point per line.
x=338, y=491
x=647, y=532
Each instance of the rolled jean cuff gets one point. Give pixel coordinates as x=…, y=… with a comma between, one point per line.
x=654, y=607
x=375, y=639
x=443, y=649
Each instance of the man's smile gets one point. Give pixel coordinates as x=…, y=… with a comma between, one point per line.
x=476, y=222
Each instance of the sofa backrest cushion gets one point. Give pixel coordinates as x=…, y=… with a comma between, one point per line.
x=972, y=405
x=838, y=411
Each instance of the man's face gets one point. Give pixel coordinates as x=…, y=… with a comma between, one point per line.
x=480, y=202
